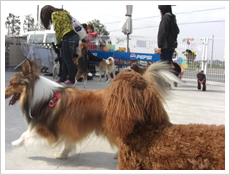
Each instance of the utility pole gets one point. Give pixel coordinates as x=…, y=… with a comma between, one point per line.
x=212, y=51
x=37, y=18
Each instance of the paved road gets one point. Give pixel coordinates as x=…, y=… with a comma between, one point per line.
x=185, y=105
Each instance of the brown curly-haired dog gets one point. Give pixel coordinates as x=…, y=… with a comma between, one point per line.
x=147, y=140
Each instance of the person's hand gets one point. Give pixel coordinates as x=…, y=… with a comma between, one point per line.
x=159, y=50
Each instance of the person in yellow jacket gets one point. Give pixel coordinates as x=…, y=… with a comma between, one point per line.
x=66, y=39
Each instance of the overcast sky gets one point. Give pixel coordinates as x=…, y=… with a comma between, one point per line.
x=196, y=19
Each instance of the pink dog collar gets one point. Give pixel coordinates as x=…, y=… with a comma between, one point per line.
x=54, y=100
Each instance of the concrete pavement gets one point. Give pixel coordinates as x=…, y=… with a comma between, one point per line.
x=185, y=105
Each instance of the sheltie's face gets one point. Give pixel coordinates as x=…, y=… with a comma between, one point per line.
x=22, y=83
x=16, y=87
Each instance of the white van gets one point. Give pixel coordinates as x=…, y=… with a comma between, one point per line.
x=41, y=55
x=45, y=36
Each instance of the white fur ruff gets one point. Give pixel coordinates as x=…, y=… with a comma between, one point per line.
x=43, y=89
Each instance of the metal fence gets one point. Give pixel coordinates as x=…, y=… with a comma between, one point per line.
x=210, y=53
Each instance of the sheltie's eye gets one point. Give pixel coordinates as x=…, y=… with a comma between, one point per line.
x=13, y=84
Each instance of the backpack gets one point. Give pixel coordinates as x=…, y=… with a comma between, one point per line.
x=77, y=27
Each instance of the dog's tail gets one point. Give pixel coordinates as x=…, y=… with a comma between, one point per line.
x=161, y=75
x=130, y=99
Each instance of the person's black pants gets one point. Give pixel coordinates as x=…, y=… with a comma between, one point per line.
x=166, y=55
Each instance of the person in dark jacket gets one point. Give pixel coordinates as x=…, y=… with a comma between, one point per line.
x=167, y=34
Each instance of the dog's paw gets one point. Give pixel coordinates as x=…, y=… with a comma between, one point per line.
x=60, y=155
x=17, y=143
x=75, y=84
x=115, y=155
x=108, y=81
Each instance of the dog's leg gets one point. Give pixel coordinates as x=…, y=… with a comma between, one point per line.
x=204, y=86
x=115, y=155
x=65, y=152
x=77, y=77
x=19, y=142
x=75, y=84
x=109, y=78
x=105, y=75
x=100, y=74
x=85, y=79
x=114, y=74
x=198, y=85
x=85, y=83
x=53, y=71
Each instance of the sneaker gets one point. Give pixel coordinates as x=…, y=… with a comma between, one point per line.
x=68, y=82
x=58, y=81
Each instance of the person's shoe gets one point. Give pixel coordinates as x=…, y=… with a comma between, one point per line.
x=58, y=81
x=68, y=82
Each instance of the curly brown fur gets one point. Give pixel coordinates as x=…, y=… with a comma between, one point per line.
x=176, y=147
x=138, y=69
x=136, y=98
x=201, y=80
x=147, y=140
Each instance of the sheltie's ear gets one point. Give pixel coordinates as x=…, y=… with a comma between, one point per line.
x=29, y=68
x=26, y=67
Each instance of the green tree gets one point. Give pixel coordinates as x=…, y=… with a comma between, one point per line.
x=98, y=27
x=28, y=24
x=13, y=25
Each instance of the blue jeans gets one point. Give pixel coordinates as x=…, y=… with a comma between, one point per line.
x=69, y=46
x=166, y=55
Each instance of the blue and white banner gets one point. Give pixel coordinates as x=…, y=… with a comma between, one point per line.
x=101, y=54
x=128, y=56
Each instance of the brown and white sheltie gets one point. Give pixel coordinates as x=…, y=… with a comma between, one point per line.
x=56, y=113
